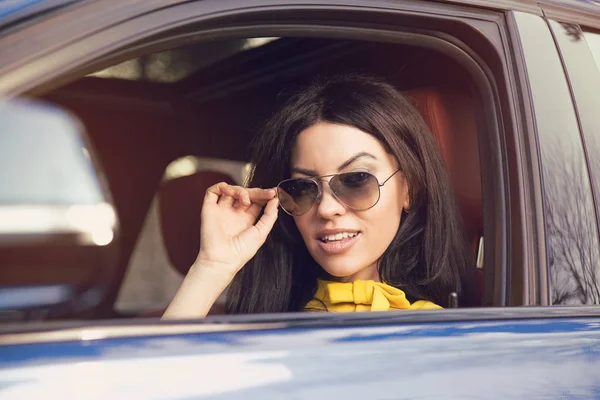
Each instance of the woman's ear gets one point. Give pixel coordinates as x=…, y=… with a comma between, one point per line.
x=406, y=194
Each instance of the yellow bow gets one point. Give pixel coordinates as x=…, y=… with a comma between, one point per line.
x=362, y=296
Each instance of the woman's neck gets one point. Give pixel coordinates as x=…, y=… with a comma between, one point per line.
x=365, y=274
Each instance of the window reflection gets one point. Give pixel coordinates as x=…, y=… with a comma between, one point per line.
x=580, y=284
x=593, y=41
x=570, y=227
x=569, y=213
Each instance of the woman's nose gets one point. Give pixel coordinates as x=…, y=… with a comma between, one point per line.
x=328, y=206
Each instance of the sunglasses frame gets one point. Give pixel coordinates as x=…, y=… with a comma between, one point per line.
x=317, y=179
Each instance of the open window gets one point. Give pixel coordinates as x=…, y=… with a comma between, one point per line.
x=194, y=91
x=208, y=99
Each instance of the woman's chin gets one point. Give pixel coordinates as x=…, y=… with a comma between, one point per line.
x=347, y=273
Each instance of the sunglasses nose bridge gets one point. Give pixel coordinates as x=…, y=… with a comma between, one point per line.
x=328, y=204
x=321, y=183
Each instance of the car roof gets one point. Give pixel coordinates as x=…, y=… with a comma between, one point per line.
x=585, y=12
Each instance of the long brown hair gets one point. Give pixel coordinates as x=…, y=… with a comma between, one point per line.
x=427, y=256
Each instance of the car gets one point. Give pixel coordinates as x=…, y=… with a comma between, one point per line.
x=164, y=98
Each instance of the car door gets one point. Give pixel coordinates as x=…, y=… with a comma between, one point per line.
x=89, y=35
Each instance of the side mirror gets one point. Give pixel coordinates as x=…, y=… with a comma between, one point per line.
x=58, y=227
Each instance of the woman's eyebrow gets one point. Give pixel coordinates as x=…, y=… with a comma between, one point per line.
x=356, y=157
x=309, y=172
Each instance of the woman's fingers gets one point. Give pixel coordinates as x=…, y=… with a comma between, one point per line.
x=213, y=193
x=237, y=196
x=219, y=192
x=258, y=199
x=226, y=195
x=229, y=195
x=243, y=201
x=267, y=220
x=261, y=195
x=258, y=232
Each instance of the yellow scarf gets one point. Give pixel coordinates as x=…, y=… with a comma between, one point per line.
x=362, y=296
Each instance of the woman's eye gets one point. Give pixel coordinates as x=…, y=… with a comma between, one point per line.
x=303, y=186
x=357, y=179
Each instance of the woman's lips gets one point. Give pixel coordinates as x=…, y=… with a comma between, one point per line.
x=338, y=246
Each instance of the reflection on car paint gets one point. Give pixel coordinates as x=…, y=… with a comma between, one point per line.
x=547, y=358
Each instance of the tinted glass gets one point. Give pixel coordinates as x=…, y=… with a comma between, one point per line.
x=593, y=41
x=298, y=195
x=358, y=190
x=577, y=49
x=569, y=212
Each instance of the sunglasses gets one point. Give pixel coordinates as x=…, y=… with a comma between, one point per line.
x=356, y=190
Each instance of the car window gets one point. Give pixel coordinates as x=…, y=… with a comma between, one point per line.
x=157, y=264
x=140, y=120
x=593, y=41
x=580, y=50
x=572, y=244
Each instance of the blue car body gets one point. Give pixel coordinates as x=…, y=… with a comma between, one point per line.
x=541, y=358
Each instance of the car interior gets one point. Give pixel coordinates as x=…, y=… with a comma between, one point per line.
x=206, y=101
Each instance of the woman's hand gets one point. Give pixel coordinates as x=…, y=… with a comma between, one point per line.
x=230, y=235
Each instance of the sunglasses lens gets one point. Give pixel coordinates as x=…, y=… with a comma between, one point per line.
x=358, y=190
x=297, y=196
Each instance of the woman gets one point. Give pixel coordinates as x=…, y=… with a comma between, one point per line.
x=368, y=220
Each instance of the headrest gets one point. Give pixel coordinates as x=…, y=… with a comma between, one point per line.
x=180, y=203
x=449, y=112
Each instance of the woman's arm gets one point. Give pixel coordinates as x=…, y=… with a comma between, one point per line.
x=198, y=292
x=230, y=235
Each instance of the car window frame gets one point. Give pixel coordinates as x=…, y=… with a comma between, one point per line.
x=63, y=331
x=510, y=254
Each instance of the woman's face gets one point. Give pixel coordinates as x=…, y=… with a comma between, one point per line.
x=324, y=149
